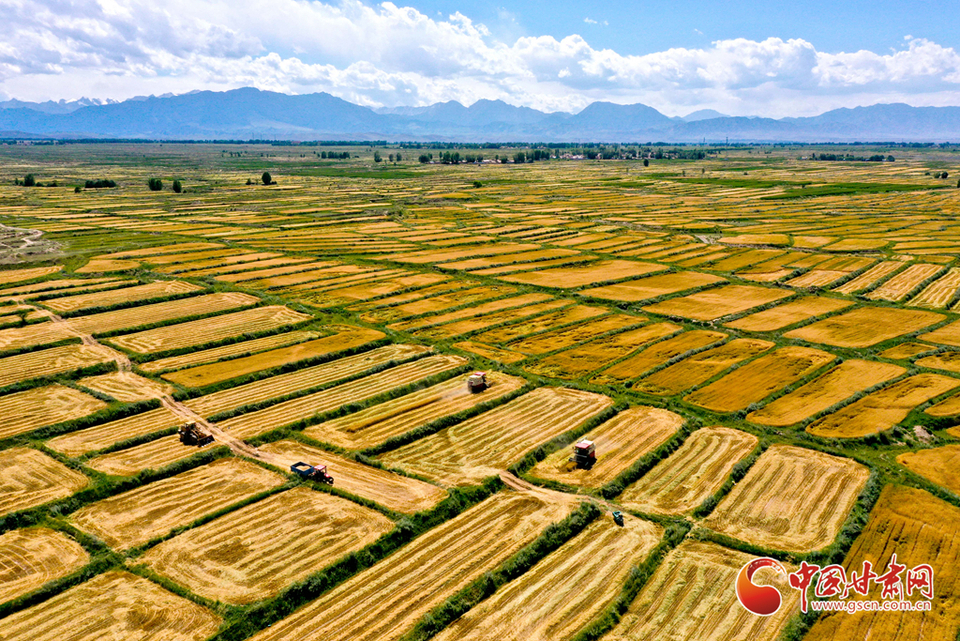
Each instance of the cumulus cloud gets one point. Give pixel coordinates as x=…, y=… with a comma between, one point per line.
x=387, y=54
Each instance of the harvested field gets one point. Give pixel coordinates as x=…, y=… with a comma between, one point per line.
x=150, y=291
x=214, y=354
x=384, y=602
x=488, y=351
x=691, y=596
x=716, y=303
x=905, y=282
x=344, y=338
x=759, y=379
x=307, y=407
x=905, y=351
x=11, y=276
x=382, y=421
x=869, y=277
x=658, y=354
x=393, y=491
x=939, y=464
x=32, y=557
x=946, y=335
x=578, y=361
x=866, y=326
x=701, y=367
x=789, y=313
x=126, y=386
x=840, y=383
x=564, y=591
x=29, y=478
x=816, y=490
x=44, y=406
x=477, y=323
x=96, y=438
x=435, y=304
x=208, y=330
x=578, y=276
x=947, y=361
x=883, y=409
x=686, y=478
x=565, y=337
x=620, y=441
x=949, y=406
x=154, y=455
x=940, y=292
x=49, y=362
x=303, y=379
x=482, y=446
x=573, y=314
x=919, y=528
x=134, y=517
x=373, y=289
x=115, y=605
x=515, y=302
x=653, y=286
x=251, y=554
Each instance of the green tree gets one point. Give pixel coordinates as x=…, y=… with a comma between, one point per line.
x=377, y=157
x=646, y=162
x=177, y=186
x=77, y=189
x=399, y=157
x=267, y=178
x=155, y=184
x=29, y=181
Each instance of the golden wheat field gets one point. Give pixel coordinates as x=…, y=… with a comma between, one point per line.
x=756, y=341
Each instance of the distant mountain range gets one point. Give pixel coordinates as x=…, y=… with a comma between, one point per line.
x=244, y=114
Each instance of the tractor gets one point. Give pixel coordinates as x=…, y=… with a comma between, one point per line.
x=193, y=434
x=584, y=454
x=618, y=518
x=312, y=472
x=477, y=382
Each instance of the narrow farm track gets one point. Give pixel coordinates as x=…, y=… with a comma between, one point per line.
x=125, y=368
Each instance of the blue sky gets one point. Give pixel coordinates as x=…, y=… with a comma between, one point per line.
x=742, y=58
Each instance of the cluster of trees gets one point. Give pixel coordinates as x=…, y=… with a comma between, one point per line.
x=155, y=184
x=334, y=155
x=941, y=174
x=100, y=183
x=851, y=157
x=30, y=181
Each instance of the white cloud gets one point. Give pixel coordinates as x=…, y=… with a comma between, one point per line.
x=388, y=55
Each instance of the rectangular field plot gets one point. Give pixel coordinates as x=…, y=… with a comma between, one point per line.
x=393, y=491
x=717, y=303
x=686, y=478
x=635, y=291
x=566, y=316
x=214, y=354
x=252, y=553
x=435, y=304
x=759, y=379
x=384, y=602
x=573, y=277
x=905, y=282
x=207, y=330
x=789, y=313
x=946, y=335
x=658, y=354
x=578, y=361
x=114, y=605
x=817, y=490
x=303, y=379
x=424, y=324
x=31, y=557
x=920, y=529
x=306, y=407
x=869, y=277
x=150, y=291
x=947, y=361
x=840, y=383
x=29, y=478
x=154, y=455
x=42, y=406
x=940, y=292
x=691, y=596
x=482, y=321
x=866, y=326
x=378, y=423
x=938, y=464
x=134, y=517
x=125, y=386
x=701, y=367
x=884, y=408
x=48, y=362
x=104, y=435
x=484, y=445
x=620, y=441
x=564, y=591
x=566, y=337
x=343, y=338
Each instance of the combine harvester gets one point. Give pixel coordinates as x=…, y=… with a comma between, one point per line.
x=584, y=455
x=477, y=382
x=193, y=434
x=312, y=472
